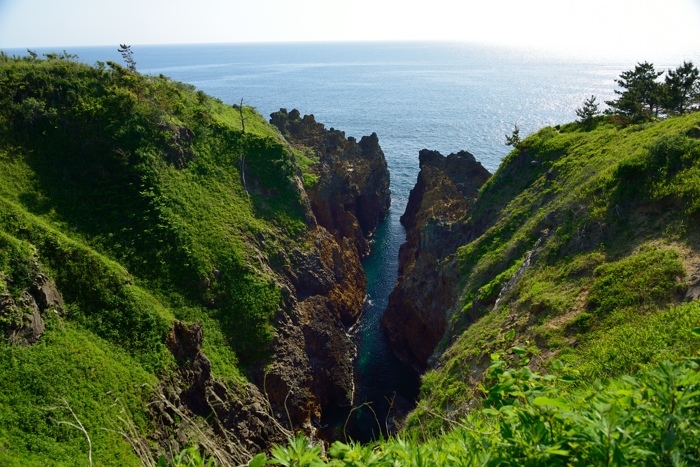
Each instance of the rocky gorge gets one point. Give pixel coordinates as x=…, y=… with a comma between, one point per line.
x=349, y=199
x=179, y=275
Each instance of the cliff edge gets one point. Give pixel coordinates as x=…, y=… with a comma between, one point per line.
x=415, y=318
x=202, y=296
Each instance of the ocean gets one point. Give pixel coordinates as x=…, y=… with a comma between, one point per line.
x=440, y=96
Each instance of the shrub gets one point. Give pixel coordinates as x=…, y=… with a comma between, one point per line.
x=649, y=277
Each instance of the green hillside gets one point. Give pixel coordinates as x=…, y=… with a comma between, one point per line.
x=576, y=338
x=128, y=192
x=606, y=221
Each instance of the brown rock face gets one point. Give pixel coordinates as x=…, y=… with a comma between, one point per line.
x=312, y=368
x=45, y=292
x=415, y=318
x=331, y=269
x=352, y=194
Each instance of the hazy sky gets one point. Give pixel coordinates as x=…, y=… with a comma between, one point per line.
x=579, y=26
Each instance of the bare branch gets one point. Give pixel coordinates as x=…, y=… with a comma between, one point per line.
x=240, y=112
x=369, y=406
x=78, y=425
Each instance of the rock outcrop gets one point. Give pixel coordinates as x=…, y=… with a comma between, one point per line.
x=239, y=424
x=312, y=366
x=351, y=196
x=323, y=288
x=23, y=316
x=416, y=316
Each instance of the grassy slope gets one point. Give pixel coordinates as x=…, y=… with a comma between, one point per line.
x=127, y=191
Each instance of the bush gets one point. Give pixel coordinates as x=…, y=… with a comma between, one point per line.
x=650, y=277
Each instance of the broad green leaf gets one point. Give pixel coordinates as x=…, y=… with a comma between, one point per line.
x=549, y=402
x=557, y=452
x=602, y=407
x=258, y=461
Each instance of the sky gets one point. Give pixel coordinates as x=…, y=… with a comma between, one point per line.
x=586, y=27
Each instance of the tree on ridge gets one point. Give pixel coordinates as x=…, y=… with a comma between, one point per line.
x=588, y=112
x=128, y=56
x=641, y=94
x=681, y=88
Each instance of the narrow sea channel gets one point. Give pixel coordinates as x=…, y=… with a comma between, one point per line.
x=385, y=389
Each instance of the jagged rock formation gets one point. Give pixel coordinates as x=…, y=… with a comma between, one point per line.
x=416, y=315
x=310, y=370
x=324, y=290
x=352, y=194
x=312, y=366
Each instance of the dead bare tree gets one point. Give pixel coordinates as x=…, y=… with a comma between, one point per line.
x=240, y=113
x=347, y=420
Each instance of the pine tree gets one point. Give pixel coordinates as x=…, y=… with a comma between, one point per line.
x=514, y=138
x=587, y=113
x=641, y=93
x=681, y=88
x=128, y=56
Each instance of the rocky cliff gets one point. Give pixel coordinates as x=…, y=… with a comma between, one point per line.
x=351, y=196
x=312, y=368
x=416, y=316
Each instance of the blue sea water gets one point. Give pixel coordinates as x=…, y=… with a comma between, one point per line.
x=440, y=96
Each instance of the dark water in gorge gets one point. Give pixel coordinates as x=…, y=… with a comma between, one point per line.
x=440, y=96
x=381, y=379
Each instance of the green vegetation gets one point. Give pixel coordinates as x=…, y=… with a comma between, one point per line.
x=530, y=419
x=588, y=112
x=126, y=190
x=607, y=211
